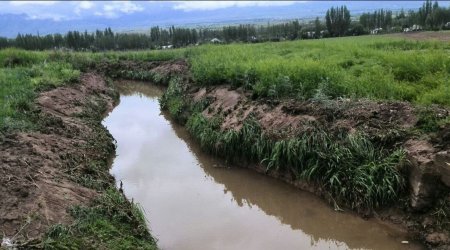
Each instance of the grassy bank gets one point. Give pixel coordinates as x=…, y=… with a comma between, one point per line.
x=357, y=100
x=353, y=170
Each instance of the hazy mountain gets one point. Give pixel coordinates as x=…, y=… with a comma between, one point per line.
x=166, y=14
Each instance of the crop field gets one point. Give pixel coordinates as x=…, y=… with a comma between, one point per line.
x=354, y=67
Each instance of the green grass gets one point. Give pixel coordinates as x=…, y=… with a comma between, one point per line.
x=16, y=57
x=111, y=223
x=173, y=100
x=369, y=66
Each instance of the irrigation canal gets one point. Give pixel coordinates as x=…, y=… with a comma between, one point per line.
x=195, y=201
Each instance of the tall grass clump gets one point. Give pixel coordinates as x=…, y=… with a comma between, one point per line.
x=349, y=167
x=174, y=101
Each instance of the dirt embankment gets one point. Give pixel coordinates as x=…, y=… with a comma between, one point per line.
x=41, y=172
x=390, y=125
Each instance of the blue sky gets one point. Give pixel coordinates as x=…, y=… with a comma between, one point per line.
x=45, y=17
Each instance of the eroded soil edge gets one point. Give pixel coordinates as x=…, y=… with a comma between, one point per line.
x=45, y=172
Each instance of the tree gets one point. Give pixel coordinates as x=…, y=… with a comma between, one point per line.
x=317, y=27
x=337, y=20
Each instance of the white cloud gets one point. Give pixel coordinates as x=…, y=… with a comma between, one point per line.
x=113, y=9
x=213, y=5
x=21, y=3
x=83, y=5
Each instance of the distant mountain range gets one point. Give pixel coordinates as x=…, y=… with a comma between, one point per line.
x=165, y=15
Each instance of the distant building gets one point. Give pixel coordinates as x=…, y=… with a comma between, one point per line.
x=167, y=46
x=216, y=40
x=415, y=27
x=311, y=34
x=376, y=31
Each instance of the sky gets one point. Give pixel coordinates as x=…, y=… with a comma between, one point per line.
x=58, y=10
x=60, y=16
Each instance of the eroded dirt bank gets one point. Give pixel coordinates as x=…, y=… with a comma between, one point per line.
x=45, y=172
x=423, y=206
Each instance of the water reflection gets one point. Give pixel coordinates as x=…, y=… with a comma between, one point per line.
x=194, y=201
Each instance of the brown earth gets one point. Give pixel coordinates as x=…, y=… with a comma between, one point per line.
x=164, y=69
x=288, y=118
x=391, y=124
x=425, y=35
x=37, y=169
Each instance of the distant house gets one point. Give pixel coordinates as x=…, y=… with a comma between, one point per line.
x=416, y=27
x=311, y=34
x=216, y=40
x=376, y=31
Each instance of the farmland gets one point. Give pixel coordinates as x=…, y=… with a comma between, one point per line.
x=380, y=68
x=343, y=116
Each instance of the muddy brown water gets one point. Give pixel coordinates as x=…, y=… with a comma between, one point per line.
x=195, y=201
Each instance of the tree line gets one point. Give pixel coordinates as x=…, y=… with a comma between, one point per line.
x=430, y=16
x=337, y=22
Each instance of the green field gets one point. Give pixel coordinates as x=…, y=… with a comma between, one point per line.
x=371, y=67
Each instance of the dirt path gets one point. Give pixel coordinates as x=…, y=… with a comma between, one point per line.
x=40, y=171
x=443, y=36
